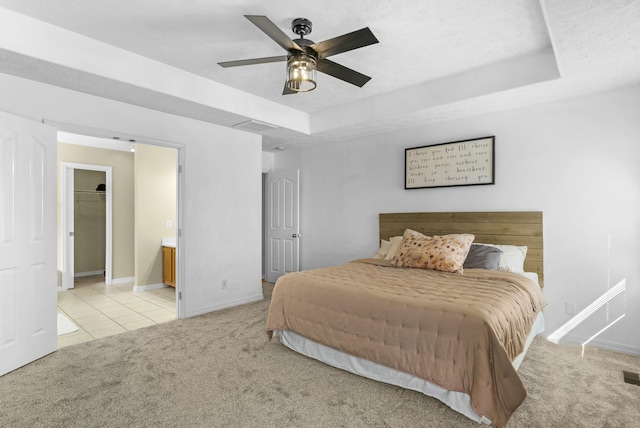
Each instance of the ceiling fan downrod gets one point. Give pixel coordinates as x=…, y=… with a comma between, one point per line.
x=301, y=27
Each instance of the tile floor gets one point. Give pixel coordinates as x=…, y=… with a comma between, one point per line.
x=104, y=310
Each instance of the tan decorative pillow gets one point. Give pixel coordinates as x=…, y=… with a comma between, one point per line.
x=445, y=253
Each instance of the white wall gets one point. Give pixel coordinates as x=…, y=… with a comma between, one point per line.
x=268, y=160
x=576, y=160
x=222, y=185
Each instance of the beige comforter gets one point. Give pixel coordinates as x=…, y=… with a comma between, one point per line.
x=458, y=331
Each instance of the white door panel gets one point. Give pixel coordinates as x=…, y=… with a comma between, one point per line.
x=283, y=228
x=28, y=327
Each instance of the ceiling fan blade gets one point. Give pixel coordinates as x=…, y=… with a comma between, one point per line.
x=341, y=72
x=344, y=43
x=252, y=61
x=272, y=30
x=287, y=90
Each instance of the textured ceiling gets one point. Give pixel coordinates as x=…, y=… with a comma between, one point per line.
x=419, y=41
x=425, y=45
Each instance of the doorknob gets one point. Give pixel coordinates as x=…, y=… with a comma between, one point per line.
x=296, y=235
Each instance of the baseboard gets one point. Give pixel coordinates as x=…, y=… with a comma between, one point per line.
x=124, y=280
x=602, y=344
x=92, y=273
x=225, y=305
x=148, y=287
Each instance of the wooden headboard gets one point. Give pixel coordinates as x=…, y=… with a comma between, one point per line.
x=508, y=227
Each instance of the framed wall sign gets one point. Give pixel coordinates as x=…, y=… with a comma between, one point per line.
x=459, y=163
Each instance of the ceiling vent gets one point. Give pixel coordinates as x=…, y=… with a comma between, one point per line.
x=254, y=126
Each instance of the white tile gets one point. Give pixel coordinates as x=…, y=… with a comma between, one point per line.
x=143, y=307
x=160, y=318
x=118, y=312
x=126, y=298
x=139, y=324
x=84, y=314
x=126, y=319
x=73, y=339
x=109, y=331
x=103, y=310
x=90, y=327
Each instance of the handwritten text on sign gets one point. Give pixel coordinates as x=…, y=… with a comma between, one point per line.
x=462, y=163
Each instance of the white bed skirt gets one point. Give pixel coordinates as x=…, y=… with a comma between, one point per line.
x=458, y=401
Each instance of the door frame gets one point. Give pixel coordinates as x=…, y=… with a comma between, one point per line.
x=67, y=170
x=181, y=287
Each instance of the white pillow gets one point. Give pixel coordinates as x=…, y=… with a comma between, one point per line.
x=383, y=250
x=395, y=245
x=512, y=257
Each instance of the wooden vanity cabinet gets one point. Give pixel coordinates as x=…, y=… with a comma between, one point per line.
x=169, y=266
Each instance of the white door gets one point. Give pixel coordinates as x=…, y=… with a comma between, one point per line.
x=283, y=224
x=28, y=322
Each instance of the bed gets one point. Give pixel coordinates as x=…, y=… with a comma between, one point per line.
x=456, y=337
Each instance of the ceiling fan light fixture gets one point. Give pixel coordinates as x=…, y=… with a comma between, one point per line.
x=301, y=72
x=305, y=57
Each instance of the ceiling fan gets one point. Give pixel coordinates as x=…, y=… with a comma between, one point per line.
x=304, y=56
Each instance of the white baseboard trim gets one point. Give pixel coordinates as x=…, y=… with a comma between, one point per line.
x=92, y=273
x=124, y=280
x=148, y=287
x=603, y=344
x=225, y=305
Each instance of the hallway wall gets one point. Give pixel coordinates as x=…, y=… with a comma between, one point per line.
x=155, y=204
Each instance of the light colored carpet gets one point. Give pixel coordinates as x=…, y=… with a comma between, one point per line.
x=87, y=281
x=219, y=370
x=65, y=325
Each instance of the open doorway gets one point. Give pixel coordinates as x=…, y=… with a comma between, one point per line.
x=85, y=238
x=89, y=218
x=141, y=192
